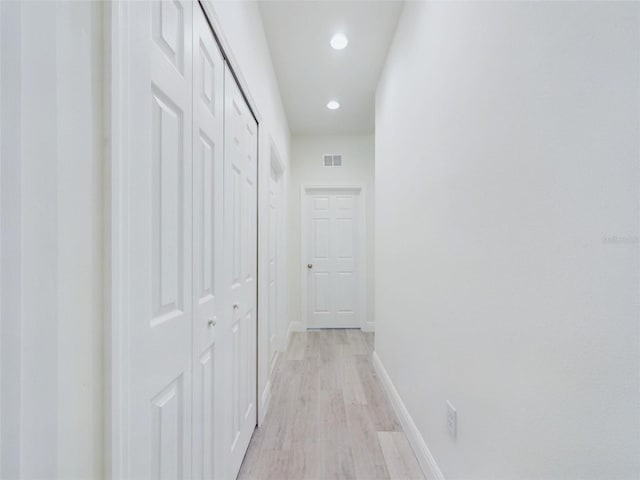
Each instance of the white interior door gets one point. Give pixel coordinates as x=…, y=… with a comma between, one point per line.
x=240, y=210
x=208, y=273
x=331, y=231
x=159, y=304
x=274, y=213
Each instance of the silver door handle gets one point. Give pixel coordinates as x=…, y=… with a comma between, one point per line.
x=309, y=266
x=212, y=322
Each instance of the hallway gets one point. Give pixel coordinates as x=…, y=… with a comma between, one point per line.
x=319, y=239
x=329, y=416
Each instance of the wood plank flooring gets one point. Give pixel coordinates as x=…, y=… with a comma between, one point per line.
x=329, y=417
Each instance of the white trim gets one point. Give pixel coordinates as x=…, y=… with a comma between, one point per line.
x=296, y=326
x=265, y=401
x=278, y=167
x=2, y=318
x=423, y=454
x=11, y=368
x=287, y=339
x=11, y=362
x=273, y=363
x=293, y=327
x=276, y=159
x=1, y=243
x=264, y=342
x=369, y=326
x=107, y=195
x=119, y=254
x=361, y=260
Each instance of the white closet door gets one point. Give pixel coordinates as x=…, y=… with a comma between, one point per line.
x=208, y=301
x=159, y=306
x=240, y=220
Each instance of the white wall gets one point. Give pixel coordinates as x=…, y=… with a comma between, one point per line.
x=307, y=169
x=80, y=239
x=51, y=163
x=239, y=25
x=506, y=153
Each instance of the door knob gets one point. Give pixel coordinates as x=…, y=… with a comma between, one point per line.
x=236, y=306
x=309, y=265
x=212, y=322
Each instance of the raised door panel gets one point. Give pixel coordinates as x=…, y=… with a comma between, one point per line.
x=206, y=426
x=167, y=438
x=168, y=29
x=168, y=213
x=344, y=245
x=205, y=210
x=320, y=240
x=236, y=340
x=344, y=293
x=236, y=224
x=321, y=290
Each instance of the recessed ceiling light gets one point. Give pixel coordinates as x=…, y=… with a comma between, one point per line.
x=333, y=105
x=339, y=41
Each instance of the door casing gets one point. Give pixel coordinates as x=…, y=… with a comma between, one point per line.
x=275, y=240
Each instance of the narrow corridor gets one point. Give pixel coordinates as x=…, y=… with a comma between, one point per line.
x=329, y=417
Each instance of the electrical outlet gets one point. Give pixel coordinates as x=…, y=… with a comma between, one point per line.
x=452, y=419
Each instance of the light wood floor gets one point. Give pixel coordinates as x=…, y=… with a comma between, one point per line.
x=329, y=417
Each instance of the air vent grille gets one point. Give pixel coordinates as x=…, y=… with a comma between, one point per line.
x=332, y=160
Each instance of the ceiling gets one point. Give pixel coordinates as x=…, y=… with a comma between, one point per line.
x=311, y=73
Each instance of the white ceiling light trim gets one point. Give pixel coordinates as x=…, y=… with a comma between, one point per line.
x=333, y=105
x=339, y=41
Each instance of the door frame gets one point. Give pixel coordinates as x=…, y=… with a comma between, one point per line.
x=277, y=166
x=116, y=225
x=265, y=370
x=361, y=257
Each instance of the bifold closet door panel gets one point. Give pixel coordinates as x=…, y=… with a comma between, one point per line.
x=240, y=251
x=208, y=275
x=159, y=191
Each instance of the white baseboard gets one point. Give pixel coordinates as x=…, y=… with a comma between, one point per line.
x=287, y=340
x=265, y=401
x=425, y=459
x=283, y=341
x=294, y=327
x=273, y=363
x=369, y=327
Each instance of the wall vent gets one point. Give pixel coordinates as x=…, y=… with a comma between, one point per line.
x=332, y=160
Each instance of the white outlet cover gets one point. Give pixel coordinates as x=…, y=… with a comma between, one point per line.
x=452, y=419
